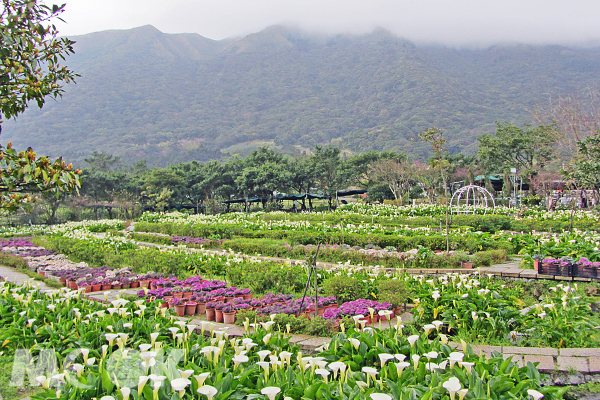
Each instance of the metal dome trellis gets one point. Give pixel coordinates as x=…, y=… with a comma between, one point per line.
x=468, y=199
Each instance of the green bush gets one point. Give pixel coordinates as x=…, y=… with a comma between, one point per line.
x=10, y=260
x=140, y=237
x=344, y=288
x=392, y=291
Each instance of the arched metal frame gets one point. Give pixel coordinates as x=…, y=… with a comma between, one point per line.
x=468, y=199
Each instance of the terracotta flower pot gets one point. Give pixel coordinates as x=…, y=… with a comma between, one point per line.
x=218, y=315
x=164, y=304
x=88, y=289
x=228, y=299
x=63, y=281
x=178, y=295
x=201, y=308
x=467, y=265
x=117, y=286
x=210, y=314
x=536, y=265
x=105, y=287
x=229, y=318
x=125, y=285
x=180, y=310
x=247, y=296
x=187, y=295
x=135, y=284
x=42, y=273
x=190, y=308
x=96, y=288
x=398, y=311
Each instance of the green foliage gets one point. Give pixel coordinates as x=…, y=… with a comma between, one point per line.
x=528, y=150
x=13, y=261
x=584, y=169
x=31, y=54
x=23, y=174
x=140, y=237
x=392, y=291
x=267, y=277
x=344, y=288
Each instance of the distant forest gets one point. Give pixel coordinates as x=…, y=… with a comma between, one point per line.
x=166, y=99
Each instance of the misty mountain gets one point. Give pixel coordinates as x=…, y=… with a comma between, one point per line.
x=143, y=94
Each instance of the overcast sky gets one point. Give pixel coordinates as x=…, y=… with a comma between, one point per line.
x=450, y=22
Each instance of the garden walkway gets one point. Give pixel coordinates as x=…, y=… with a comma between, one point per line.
x=19, y=278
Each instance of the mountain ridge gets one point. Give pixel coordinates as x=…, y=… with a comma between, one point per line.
x=179, y=97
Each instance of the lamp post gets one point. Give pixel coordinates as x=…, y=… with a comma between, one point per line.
x=513, y=172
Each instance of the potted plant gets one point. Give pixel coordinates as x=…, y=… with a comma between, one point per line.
x=96, y=285
x=82, y=283
x=201, y=304
x=228, y=314
x=210, y=310
x=190, y=306
x=465, y=261
x=125, y=282
x=219, y=311
x=177, y=292
x=115, y=284
x=179, y=307
x=106, y=284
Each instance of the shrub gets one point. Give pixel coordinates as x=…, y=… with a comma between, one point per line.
x=12, y=261
x=392, y=291
x=344, y=288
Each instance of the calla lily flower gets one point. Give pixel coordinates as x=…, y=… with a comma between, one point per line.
x=371, y=373
x=142, y=382
x=355, y=342
x=384, y=357
x=186, y=374
x=534, y=394
x=415, y=359
x=270, y=391
x=43, y=381
x=412, y=340
x=323, y=372
x=467, y=365
x=428, y=328
x=208, y=391
x=237, y=360
x=263, y=354
x=400, y=367
x=452, y=385
x=125, y=392
x=380, y=396
x=201, y=378
x=179, y=385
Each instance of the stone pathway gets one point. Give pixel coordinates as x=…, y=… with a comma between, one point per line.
x=19, y=278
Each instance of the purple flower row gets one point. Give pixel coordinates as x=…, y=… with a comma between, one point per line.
x=356, y=307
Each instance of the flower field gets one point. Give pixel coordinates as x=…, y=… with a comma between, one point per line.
x=137, y=350
x=136, y=347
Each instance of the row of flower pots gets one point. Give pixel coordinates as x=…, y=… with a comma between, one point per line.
x=583, y=268
x=108, y=285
